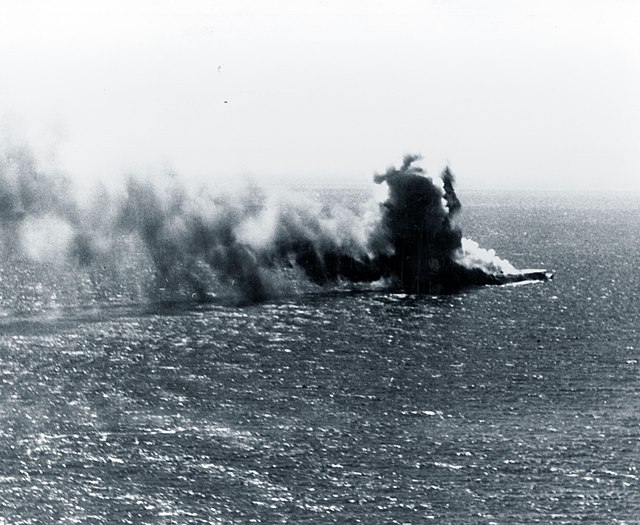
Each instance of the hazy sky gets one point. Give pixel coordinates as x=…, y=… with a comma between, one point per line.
x=529, y=94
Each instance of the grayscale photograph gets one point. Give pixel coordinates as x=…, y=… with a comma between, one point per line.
x=319, y=261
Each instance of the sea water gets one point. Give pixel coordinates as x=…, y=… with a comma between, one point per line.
x=511, y=404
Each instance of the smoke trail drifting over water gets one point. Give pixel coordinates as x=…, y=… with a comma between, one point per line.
x=201, y=243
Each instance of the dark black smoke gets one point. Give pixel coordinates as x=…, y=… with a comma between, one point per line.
x=419, y=226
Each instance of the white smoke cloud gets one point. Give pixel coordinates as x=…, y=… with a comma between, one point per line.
x=471, y=255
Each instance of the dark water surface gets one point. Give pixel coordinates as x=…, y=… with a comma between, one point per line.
x=499, y=405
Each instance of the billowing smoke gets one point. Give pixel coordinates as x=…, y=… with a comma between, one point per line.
x=247, y=243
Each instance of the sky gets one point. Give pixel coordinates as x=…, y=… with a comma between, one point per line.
x=514, y=95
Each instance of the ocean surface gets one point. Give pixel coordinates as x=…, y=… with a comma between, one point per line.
x=510, y=404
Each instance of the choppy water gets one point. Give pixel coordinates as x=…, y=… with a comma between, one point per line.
x=499, y=405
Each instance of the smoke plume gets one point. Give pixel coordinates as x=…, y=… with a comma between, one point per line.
x=200, y=243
